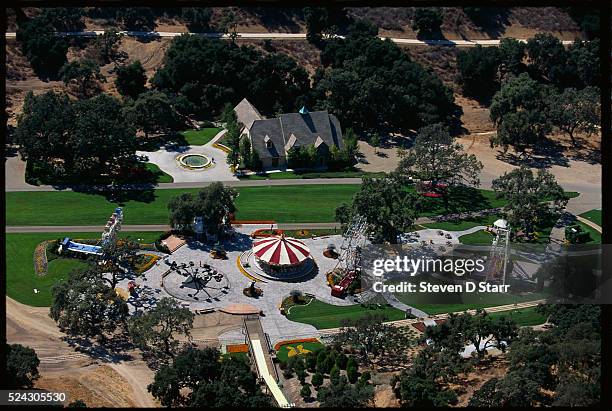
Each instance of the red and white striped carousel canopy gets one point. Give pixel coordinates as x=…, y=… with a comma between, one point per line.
x=281, y=250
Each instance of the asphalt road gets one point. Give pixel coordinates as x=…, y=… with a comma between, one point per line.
x=288, y=36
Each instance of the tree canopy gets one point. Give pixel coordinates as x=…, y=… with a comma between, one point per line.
x=131, y=79
x=154, y=112
x=372, y=84
x=214, y=203
x=386, y=206
x=21, y=366
x=375, y=342
x=519, y=110
x=45, y=51
x=84, y=305
x=574, y=111
x=427, y=21
x=201, y=378
x=77, y=138
x=532, y=200
x=560, y=366
x=211, y=72
x=156, y=329
x=85, y=73
x=436, y=158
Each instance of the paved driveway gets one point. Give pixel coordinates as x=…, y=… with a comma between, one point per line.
x=166, y=161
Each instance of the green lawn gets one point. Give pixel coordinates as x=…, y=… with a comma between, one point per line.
x=463, y=224
x=161, y=176
x=322, y=315
x=20, y=276
x=284, y=204
x=480, y=237
x=200, y=137
x=283, y=352
x=523, y=317
x=435, y=303
x=593, y=215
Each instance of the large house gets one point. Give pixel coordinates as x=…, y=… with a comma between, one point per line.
x=272, y=138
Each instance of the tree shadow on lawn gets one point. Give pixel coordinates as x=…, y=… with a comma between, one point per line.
x=144, y=193
x=171, y=142
x=458, y=200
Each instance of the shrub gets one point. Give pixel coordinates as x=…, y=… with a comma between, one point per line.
x=305, y=392
x=334, y=375
x=317, y=379
x=341, y=361
x=351, y=370
x=301, y=374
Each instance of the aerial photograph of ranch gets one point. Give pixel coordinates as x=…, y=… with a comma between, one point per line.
x=193, y=196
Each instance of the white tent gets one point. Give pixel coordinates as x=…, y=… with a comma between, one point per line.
x=501, y=223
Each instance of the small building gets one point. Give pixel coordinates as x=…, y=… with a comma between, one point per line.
x=272, y=138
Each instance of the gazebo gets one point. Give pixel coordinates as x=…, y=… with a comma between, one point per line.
x=281, y=256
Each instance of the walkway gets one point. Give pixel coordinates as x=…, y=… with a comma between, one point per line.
x=395, y=303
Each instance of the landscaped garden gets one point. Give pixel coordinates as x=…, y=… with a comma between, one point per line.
x=160, y=176
x=21, y=280
x=201, y=136
x=480, y=237
x=286, y=351
x=523, y=316
x=322, y=315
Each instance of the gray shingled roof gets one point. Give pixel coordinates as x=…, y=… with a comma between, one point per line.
x=246, y=113
x=307, y=128
x=272, y=128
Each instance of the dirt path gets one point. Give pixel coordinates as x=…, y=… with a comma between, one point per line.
x=61, y=368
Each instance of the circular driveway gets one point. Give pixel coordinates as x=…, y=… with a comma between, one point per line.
x=166, y=160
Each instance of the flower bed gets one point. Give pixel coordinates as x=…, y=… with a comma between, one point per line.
x=151, y=259
x=236, y=348
x=40, y=258
x=265, y=232
x=222, y=147
x=279, y=344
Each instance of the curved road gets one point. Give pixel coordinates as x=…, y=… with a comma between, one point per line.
x=287, y=36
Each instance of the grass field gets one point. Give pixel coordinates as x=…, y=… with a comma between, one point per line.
x=161, y=177
x=435, y=303
x=593, y=215
x=200, y=137
x=462, y=224
x=20, y=276
x=284, y=204
x=322, y=315
x=283, y=352
x=481, y=237
x=523, y=317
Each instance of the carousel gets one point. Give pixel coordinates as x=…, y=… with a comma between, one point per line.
x=281, y=258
